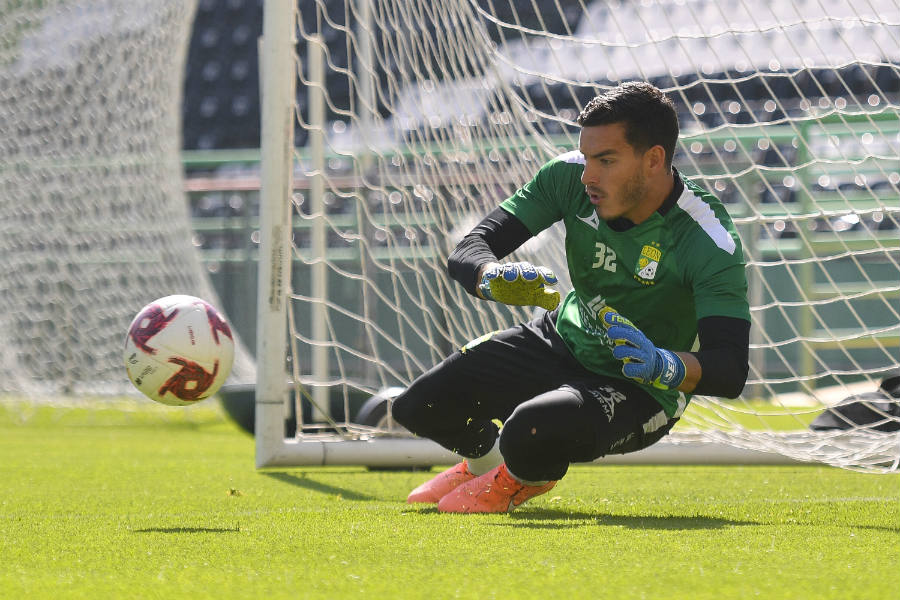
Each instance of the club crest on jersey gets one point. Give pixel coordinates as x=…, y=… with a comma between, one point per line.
x=648, y=263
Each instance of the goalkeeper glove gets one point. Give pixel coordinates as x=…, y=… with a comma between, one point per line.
x=519, y=284
x=643, y=361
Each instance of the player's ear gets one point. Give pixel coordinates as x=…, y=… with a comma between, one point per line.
x=655, y=157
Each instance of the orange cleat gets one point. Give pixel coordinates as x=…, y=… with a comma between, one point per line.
x=440, y=485
x=494, y=492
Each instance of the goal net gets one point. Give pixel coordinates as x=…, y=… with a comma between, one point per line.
x=94, y=219
x=413, y=119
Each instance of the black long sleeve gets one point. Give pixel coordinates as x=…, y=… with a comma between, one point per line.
x=494, y=237
x=723, y=355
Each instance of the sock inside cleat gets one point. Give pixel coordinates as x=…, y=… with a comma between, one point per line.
x=483, y=464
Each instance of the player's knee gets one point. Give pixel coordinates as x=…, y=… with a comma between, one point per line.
x=533, y=440
x=544, y=424
x=529, y=430
x=407, y=408
x=418, y=408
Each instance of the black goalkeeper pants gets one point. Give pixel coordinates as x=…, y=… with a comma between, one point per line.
x=554, y=411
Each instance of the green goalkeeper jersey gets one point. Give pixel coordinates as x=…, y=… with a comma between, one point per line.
x=663, y=274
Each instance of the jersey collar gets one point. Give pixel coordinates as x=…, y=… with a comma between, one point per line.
x=674, y=195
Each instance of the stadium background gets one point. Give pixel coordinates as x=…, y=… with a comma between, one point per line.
x=221, y=133
x=102, y=498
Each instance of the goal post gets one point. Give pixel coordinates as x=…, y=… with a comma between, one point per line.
x=276, y=178
x=411, y=120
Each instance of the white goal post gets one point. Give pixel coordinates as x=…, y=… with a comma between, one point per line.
x=411, y=119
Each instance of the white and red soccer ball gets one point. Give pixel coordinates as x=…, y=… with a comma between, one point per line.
x=179, y=350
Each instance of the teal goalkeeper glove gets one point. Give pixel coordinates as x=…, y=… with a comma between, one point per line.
x=643, y=361
x=519, y=284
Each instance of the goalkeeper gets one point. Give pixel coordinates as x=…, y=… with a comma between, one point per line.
x=656, y=267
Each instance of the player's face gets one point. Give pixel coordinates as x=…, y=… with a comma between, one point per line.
x=614, y=173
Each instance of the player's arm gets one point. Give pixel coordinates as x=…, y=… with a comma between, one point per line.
x=474, y=263
x=718, y=368
x=723, y=357
x=693, y=372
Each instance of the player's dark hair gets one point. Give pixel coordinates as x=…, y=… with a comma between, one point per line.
x=648, y=116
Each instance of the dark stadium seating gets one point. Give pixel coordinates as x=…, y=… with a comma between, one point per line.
x=221, y=90
x=221, y=99
x=561, y=18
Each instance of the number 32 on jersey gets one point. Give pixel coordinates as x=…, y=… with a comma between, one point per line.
x=604, y=257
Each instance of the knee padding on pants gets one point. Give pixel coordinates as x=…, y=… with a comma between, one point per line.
x=536, y=439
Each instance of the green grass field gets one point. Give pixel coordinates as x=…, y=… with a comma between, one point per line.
x=115, y=505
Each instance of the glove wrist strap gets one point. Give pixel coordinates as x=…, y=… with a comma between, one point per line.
x=484, y=288
x=671, y=370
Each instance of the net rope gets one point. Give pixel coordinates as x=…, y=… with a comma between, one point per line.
x=95, y=223
x=437, y=111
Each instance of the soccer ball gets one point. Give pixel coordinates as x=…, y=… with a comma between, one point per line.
x=179, y=350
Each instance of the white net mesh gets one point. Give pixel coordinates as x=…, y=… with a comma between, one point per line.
x=437, y=111
x=95, y=223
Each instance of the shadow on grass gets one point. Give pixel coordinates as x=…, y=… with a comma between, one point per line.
x=823, y=523
x=565, y=519
x=871, y=527
x=562, y=519
x=305, y=482
x=538, y=518
x=188, y=530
